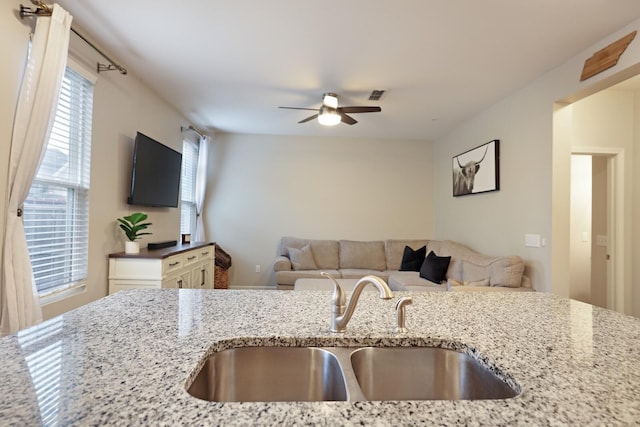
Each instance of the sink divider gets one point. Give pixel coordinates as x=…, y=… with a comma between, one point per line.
x=343, y=354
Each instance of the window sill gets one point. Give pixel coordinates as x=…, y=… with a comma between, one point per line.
x=58, y=295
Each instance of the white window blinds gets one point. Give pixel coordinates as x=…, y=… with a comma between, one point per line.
x=56, y=212
x=188, y=183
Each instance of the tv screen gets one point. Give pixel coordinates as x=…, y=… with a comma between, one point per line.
x=155, y=175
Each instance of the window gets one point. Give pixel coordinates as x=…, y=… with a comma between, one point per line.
x=56, y=212
x=188, y=188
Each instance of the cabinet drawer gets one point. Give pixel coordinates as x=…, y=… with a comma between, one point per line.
x=190, y=257
x=135, y=269
x=172, y=263
x=205, y=253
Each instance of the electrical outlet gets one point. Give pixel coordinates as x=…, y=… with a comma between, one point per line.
x=257, y=268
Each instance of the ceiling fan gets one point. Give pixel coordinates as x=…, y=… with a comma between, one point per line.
x=329, y=114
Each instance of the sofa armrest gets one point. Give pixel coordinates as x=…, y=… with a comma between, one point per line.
x=282, y=263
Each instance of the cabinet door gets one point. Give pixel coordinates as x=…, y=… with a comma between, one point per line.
x=178, y=281
x=202, y=276
x=173, y=264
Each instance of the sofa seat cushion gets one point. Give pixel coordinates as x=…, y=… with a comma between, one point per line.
x=362, y=255
x=411, y=280
x=477, y=283
x=488, y=289
x=358, y=273
x=290, y=277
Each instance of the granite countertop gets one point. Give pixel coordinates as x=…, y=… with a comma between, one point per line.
x=127, y=358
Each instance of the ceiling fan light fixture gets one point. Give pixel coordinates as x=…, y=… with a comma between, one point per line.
x=328, y=116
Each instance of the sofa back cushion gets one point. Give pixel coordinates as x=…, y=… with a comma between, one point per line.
x=365, y=255
x=325, y=252
x=394, y=248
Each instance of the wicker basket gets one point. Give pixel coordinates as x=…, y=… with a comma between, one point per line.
x=221, y=278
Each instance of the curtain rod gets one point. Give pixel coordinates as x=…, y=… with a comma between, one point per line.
x=192, y=129
x=43, y=9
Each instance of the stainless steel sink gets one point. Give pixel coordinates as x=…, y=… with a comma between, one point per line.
x=270, y=374
x=424, y=373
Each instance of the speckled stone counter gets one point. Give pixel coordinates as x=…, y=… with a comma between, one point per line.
x=127, y=358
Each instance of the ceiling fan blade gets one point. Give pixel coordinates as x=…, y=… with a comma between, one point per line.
x=361, y=109
x=347, y=119
x=315, y=116
x=297, y=108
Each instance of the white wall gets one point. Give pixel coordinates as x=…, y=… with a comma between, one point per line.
x=534, y=195
x=122, y=106
x=264, y=187
x=495, y=223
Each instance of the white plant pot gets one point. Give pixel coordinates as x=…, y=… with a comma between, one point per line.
x=131, y=247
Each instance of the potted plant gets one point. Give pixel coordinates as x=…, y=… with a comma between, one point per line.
x=133, y=226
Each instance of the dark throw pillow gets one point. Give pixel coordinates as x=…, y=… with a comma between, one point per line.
x=412, y=260
x=434, y=268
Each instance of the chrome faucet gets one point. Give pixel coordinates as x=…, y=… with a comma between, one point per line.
x=341, y=311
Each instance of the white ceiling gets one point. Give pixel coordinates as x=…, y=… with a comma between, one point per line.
x=228, y=65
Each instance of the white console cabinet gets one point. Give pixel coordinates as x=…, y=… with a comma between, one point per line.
x=181, y=266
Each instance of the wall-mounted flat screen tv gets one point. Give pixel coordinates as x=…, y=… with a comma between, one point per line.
x=155, y=175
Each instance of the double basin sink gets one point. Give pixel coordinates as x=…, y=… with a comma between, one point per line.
x=272, y=374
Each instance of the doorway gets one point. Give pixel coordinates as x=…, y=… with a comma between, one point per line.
x=595, y=259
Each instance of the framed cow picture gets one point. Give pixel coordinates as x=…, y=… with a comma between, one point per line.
x=477, y=170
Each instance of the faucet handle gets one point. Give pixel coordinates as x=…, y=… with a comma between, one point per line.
x=401, y=313
x=338, y=298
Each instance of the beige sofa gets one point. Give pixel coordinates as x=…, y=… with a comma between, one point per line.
x=346, y=259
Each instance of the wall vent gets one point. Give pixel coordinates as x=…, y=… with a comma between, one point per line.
x=376, y=94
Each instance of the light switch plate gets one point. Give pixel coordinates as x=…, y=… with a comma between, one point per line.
x=532, y=240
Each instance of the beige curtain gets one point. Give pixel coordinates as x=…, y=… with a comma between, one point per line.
x=201, y=186
x=19, y=303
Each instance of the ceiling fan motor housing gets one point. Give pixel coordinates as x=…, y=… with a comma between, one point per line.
x=330, y=100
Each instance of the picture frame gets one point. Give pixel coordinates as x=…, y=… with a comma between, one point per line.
x=477, y=170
